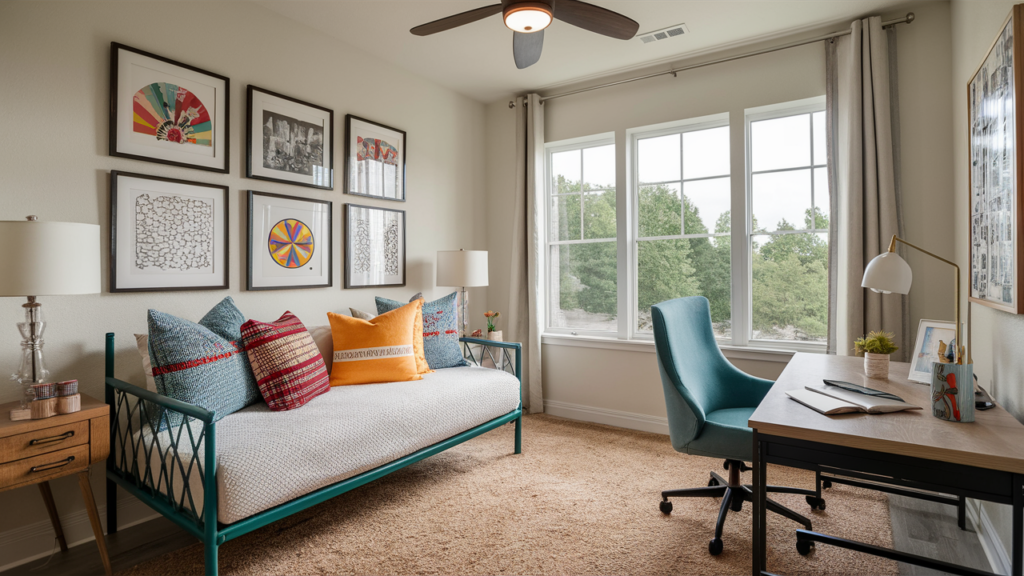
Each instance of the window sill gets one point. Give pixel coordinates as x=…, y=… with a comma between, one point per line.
x=758, y=353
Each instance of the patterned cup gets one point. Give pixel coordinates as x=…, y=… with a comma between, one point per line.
x=953, y=392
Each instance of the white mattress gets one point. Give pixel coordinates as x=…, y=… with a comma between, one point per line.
x=267, y=458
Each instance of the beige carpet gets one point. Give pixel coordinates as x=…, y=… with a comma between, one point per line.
x=582, y=499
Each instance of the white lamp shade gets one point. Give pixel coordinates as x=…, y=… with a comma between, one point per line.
x=888, y=274
x=462, y=268
x=49, y=258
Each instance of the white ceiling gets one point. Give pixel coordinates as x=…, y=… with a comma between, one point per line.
x=476, y=59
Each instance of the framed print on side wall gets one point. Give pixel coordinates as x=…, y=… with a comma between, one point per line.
x=167, y=234
x=995, y=115
x=290, y=243
x=932, y=344
x=374, y=247
x=289, y=140
x=374, y=159
x=167, y=112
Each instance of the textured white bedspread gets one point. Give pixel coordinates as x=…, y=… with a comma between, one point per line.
x=267, y=458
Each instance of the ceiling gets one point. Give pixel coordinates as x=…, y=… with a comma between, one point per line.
x=476, y=59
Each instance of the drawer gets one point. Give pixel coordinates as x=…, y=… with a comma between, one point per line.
x=21, y=446
x=43, y=466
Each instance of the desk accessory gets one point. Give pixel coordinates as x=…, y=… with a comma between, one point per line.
x=876, y=348
x=462, y=269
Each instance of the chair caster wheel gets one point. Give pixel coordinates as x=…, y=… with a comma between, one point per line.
x=665, y=506
x=826, y=484
x=712, y=482
x=804, y=547
x=715, y=547
x=815, y=503
x=736, y=505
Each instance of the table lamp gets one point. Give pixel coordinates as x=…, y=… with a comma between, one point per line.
x=44, y=259
x=952, y=384
x=462, y=269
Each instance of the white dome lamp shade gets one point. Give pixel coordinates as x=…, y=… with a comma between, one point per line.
x=888, y=273
x=527, y=17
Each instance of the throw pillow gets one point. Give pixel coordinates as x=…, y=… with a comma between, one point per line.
x=373, y=351
x=440, y=330
x=288, y=366
x=360, y=314
x=142, y=343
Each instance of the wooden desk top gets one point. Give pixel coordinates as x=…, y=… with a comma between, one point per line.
x=994, y=441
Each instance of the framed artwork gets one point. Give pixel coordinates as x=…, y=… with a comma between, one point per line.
x=289, y=242
x=289, y=140
x=167, y=234
x=374, y=159
x=933, y=338
x=167, y=112
x=994, y=113
x=374, y=247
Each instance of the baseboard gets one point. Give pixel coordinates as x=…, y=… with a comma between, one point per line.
x=630, y=420
x=36, y=540
x=990, y=541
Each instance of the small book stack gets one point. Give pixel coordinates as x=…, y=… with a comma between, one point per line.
x=51, y=399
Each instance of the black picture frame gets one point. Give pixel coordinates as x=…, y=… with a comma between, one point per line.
x=328, y=153
x=115, y=176
x=251, y=247
x=225, y=136
x=350, y=246
x=348, y=162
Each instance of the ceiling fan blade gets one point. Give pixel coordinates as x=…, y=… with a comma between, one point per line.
x=456, y=20
x=526, y=48
x=596, y=19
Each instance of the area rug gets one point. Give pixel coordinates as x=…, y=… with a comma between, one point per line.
x=581, y=499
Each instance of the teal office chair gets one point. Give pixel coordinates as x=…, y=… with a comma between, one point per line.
x=709, y=402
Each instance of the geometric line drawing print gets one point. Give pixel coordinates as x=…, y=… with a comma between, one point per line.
x=172, y=114
x=173, y=233
x=361, y=250
x=391, y=249
x=291, y=243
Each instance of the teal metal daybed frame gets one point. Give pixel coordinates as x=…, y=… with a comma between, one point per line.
x=132, y=409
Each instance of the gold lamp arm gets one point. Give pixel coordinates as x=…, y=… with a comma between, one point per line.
x=959, y=350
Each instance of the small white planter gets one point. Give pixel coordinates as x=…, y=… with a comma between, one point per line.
x=876, y=365
x=495, y=336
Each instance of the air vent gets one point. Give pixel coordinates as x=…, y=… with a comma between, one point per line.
x=663, y=33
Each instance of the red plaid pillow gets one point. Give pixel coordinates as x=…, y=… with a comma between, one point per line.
x=288, y=366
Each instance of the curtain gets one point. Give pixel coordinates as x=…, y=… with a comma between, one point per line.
x=526, y=290
x=863, y=134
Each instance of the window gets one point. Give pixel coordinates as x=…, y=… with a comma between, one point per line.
x=582, y=236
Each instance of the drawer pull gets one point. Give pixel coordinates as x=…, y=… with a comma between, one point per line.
x=53, y=465
x=63, y=436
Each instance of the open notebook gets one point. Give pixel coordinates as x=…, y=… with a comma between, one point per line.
x=831, y=400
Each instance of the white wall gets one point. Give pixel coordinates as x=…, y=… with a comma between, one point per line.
x=609, y=381
x=54, y=60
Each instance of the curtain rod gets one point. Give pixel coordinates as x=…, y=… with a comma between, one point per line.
x=905, y=20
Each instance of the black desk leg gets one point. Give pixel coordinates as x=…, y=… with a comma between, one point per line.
x=1018, y=526
x=759, y=547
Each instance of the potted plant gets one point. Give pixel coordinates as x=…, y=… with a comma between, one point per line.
x=492, y=334
x=876, y=348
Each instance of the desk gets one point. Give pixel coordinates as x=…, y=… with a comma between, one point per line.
x=982, y=460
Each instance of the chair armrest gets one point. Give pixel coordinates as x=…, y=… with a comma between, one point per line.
x=162, y=401
x=505, y=347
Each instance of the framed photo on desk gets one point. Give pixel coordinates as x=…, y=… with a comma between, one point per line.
x=933, y=338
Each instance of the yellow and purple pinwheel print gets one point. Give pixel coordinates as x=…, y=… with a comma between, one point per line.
x=291, y=243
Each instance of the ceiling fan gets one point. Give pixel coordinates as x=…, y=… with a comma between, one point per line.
x=528, y=19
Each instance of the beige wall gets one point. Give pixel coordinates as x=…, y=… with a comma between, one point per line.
x=628, y=381
x=54, y=60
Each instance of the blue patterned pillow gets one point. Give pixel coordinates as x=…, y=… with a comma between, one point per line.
x=202, y=364
x=440, y=330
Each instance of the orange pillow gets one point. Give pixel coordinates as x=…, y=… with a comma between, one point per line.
x=417, y=341
x=378, y=350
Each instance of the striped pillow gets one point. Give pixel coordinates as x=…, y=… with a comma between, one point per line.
x=373, y=351
x=288, y=366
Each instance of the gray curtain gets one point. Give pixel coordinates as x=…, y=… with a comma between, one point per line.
x=863, y=133
x=526, y=307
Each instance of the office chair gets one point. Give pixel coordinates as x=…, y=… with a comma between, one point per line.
x=709, y=402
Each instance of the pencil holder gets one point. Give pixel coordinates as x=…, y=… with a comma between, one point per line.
x=953, y=392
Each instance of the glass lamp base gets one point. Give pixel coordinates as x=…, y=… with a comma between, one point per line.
x=32, y=369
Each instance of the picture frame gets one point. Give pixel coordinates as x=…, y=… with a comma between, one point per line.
x=290, y=242
x=288, y=140
x=996, y=208
x=374, y=247
x=374, y=159
x=932, y=336
x=168, y=112
x=167, y=234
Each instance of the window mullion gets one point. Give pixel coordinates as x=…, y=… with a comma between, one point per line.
x=740, y=227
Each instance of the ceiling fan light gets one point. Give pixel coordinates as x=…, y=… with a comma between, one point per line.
x=527, y=17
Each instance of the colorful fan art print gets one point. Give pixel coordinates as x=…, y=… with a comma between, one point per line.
x=167, y=112
x=289, y=242
x=289, y=140
x=375, y=247
x=374, y=159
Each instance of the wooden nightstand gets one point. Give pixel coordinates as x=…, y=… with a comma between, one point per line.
x=37, y=451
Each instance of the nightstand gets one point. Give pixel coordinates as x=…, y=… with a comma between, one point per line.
x=37, y=451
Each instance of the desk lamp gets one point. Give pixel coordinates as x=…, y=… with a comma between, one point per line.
x=464, y=269
x=952, y=384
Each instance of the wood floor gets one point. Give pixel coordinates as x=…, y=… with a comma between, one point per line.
x=918, y=527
